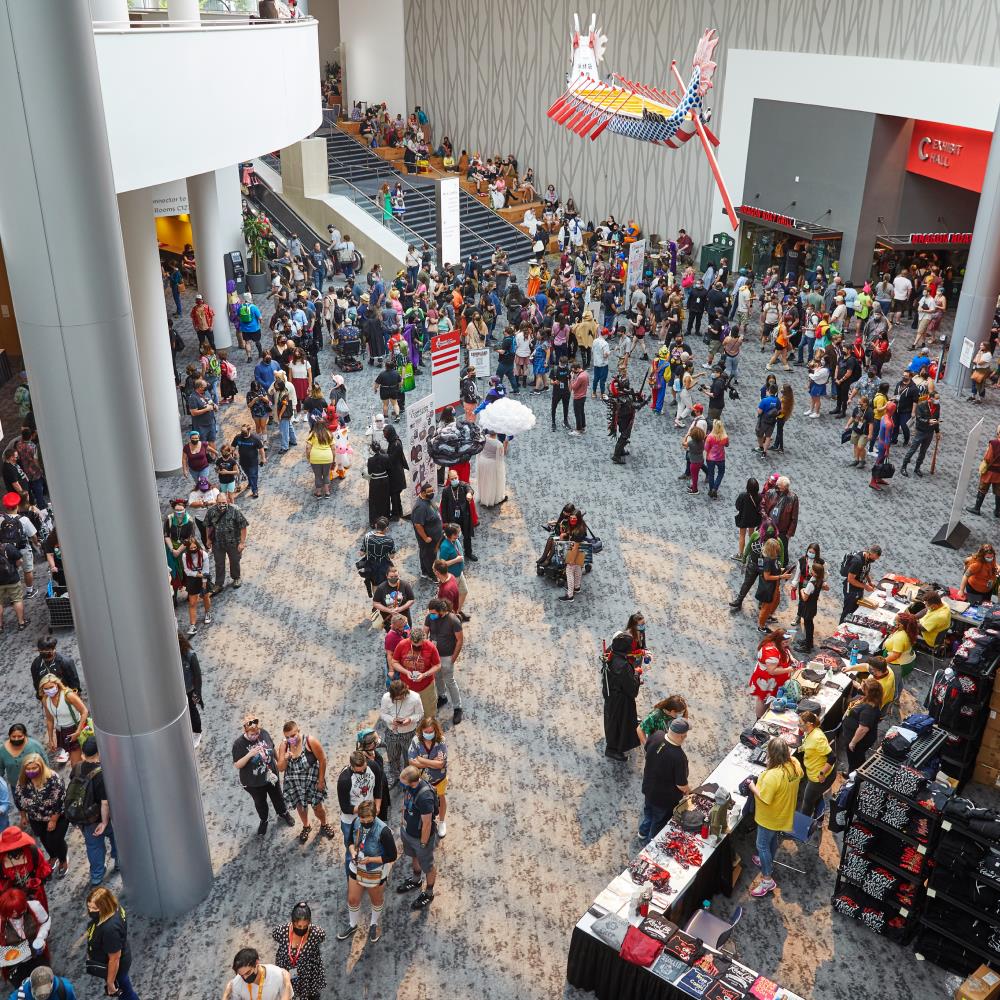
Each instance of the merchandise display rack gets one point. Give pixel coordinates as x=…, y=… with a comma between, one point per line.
x=888, y=844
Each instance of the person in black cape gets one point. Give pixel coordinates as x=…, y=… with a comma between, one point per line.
x=397, y=471
x=378, y=484
x=620, y=684
x=456, y=508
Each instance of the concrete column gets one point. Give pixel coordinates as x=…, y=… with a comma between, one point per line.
x=217, y=225
x=982, y=274
x=183, y=10
x=111, y=13
x=69, y=287
x=149, y=315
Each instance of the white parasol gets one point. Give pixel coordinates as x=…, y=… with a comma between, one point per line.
x=507, y=416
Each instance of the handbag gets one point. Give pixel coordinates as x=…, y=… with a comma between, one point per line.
x=845, y=435
x=640, y=949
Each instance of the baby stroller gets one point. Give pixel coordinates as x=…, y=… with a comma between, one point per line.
x=348, y=350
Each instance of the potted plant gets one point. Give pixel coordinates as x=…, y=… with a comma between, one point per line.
x=257, y=232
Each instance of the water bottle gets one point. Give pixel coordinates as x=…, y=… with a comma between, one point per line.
x=855, y=654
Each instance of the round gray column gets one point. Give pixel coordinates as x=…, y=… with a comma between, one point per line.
x=981, y=285
x=69, y=288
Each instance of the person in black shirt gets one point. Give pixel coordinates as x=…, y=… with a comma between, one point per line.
x=861, y=724
x=254, y=758
x=857, y=579
x=716, y=393
x=225, y=466
x=696, y=304
x=107, y=943
x=393, y=597
x=664, y=777
x=847, y=373
x=620, y=686
x=95, y=832
x=928, y=427
x=49, y=661
x=388, y=384
x=252, y=455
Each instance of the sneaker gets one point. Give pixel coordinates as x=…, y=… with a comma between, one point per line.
x=422, y=901
x=286, y=818
x=196, y=739
x=374, y=934
x=61, y=757
x=456, y=717
x=442, y=700
x=762, y=888
x=262, y=828
x=237, y=584
x=565, y=597
x=345, y=932
x=30, y=592
x=574, y=434
x=763, y=631
x=208, y=619
x=409, y=884
x=442, y=829
x=192, y=629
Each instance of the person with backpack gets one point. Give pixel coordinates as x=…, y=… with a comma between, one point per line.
x=248, y=318
x=192, y=684
x=49, y=661
x=43, y=984
x=855, y=568
x=86, y=806
x=419, y=836
x=11, y=588
x=17, y=529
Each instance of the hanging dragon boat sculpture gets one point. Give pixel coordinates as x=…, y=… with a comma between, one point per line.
x=591, y=105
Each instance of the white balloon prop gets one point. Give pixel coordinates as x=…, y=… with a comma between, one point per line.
x=507, y=416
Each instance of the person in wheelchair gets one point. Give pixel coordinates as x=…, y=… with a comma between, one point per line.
x=557, y=528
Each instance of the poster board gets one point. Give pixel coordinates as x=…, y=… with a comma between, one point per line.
x=636, y=258
x=419, y=425
x=480, y=360
x=449, y=234
x=446, y=353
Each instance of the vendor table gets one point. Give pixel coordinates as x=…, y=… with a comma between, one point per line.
x=594, y=965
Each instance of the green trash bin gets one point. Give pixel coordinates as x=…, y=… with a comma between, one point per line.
x=712, y=253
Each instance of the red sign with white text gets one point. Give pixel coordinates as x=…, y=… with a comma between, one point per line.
x=950, y=154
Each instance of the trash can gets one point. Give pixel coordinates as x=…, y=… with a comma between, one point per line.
x=712, y=253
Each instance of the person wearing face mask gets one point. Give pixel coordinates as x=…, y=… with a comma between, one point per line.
x=178, y=527
x=49, y=661
x=371, y=850
x=416, y=661
x=15, y=749
x=254, y=757
x=302, y=762
x=40, y=794
x=24, y=928
x=979, y=581
x=428, y=528
x=361, y=781
x=457, y=508
x=393, y=597
x=299, y=951
x=928, y=427
x=255, y=980
x=559, y=376
x=801, y=576
x=65, y=718
x=429, y=752
x=444, y=628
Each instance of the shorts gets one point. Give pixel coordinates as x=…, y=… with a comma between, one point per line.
x=66, y=740
x=463, y=587
x=194, y=585
x=27, y=559
x=857, y=438
x=441, y=787
x=11, y=593
x=412, y=848
x=227, y=487
x=354, y=875
x=815, y=389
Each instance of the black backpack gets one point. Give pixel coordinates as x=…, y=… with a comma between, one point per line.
x=81, y=805
x=12, y=532
x=845, y=563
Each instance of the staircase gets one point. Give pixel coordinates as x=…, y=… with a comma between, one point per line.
x=483, y=230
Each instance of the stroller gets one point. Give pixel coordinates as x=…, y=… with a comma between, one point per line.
x=348, y=349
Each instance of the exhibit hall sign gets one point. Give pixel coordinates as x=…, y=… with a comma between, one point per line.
x=952, y=239
x=950, y=154
x=765, y=216
x=446, y=349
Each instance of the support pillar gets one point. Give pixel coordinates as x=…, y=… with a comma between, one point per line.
x=183, y=10
x=216, y=222
x=110, y=13
x=981, y=284
x=149, y=315
x=69, y=288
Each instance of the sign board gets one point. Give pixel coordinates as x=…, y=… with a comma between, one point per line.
x=170, y=198
x=950, y=239
x=636, y=258
x=449, y=242
x=953, y=534
x=968, y=353
x=419, y=424
x=480, y=360
x=446, y=351
x=949, y=153
x=766, y=216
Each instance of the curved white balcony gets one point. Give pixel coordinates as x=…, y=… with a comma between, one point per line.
x=183, y=99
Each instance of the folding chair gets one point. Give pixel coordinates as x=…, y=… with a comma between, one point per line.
x=712, y=930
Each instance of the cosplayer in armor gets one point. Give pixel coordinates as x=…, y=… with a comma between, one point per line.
x=623, y=403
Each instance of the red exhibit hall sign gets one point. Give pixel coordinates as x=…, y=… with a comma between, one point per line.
x=955, y=239
x=765, y=216
x=949, y=153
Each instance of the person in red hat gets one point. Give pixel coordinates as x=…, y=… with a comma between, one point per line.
x=25, y=540
x=22, y=864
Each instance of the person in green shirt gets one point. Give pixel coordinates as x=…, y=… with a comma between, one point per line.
x=15, y=749
x=663, y=713
x=775, y=793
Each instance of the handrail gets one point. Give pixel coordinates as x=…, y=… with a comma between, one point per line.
x=246, y=21
x=367, y=201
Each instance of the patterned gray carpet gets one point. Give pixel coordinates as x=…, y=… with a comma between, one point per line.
x=539, y=821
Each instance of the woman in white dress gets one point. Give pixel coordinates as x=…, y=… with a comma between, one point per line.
x=491, y=472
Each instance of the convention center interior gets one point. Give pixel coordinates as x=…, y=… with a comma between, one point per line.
x=683, y=314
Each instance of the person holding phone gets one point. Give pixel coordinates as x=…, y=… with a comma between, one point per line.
x=302, y=761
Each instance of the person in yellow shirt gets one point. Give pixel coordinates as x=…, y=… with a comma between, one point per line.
x=898, y=648
x=819, y=760
x=776, y=792
x=935, y=620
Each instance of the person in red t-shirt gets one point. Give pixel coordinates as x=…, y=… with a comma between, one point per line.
x=447, y=584
x=416, y=661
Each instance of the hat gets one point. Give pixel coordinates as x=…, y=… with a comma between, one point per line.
x=194, y=434
x=679, y=726
x=203, y=484
x=42, y=982
x=199, y=298
x=13, y=839
x=89, y=747
x=697, y=409
x=365, y=297
x=11, y=499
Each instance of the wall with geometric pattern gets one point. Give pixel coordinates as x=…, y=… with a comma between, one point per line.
x=486, y=72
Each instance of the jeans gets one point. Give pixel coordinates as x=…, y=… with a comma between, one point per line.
x=219, y=554
x=767, y=847
x=507, y=373
x=287, y=432
x=654, y=819
x=428, y=553
x=921, y=442
x=213, y=387
x=779, y=434
x=37, y=488
x=560, y=395
x=902, y=426
x=715, y=471
x=694, y=468
x=578, y=414
x=694, y=320
x=446, y=683
x=252, y=471
x=750, y=574
x=97, y=850
x=732, y=364
x=54, y=841
x=175, y=291
x=125, y=987
x=319, y=276
x=807, y=344
x=600, y=379
x=412, y=273
x=261, y=793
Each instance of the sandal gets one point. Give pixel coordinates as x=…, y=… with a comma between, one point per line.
x=21, y=626
x=328, y=831
x=304, y=834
